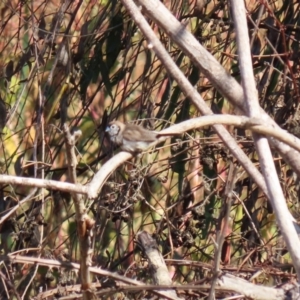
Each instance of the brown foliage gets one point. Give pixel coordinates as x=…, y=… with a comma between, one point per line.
x=85, y=63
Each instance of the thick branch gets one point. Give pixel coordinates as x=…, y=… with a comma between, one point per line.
x=211, y=68
x=267, y=165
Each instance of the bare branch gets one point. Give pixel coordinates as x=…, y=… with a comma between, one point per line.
x=84, y=222
x=220, y=78
x=157, y=265
x=265, y=156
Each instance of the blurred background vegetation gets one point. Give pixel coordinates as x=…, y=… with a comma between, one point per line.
x=86, y=63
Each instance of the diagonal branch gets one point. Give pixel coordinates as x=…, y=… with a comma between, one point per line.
x=276, y=196
x=211, y=68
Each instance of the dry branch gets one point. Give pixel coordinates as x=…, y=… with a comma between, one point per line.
x=276, y=195
x=212, y=69
x=157, y=266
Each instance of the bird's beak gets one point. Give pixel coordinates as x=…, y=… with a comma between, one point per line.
x=107, y=129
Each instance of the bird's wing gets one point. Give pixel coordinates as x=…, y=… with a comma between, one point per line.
x=138, y=133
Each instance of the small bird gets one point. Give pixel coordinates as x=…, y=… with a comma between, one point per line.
x=130, y=137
